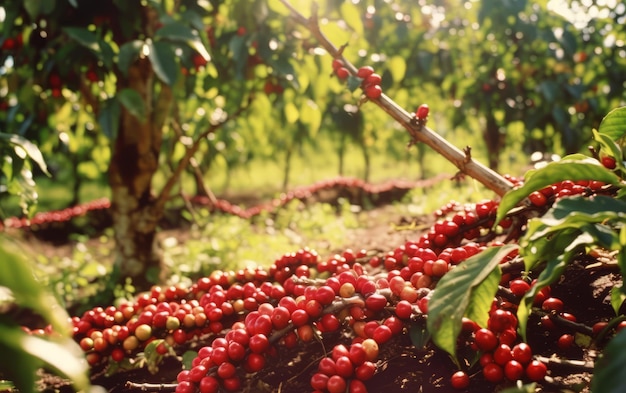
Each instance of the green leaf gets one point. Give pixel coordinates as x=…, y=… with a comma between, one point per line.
x=397, y=68
x=528, y=388
x=109, y=117
x=610, y=147
x=291, y=113
x=64, y=356
x=84, y=37
x=178, y=32
x=33, y=8
x=352, y=16
x=132, y=101
x=581, y=213
x=31, y=150
x=617, y=297
x=614, y=124
x=609, y=376
x=128, y=53
x=561, y=249
x=472, y=281
x=278, y=7
x=419, y=335
x=575, y=167
x=188, y=358
x=163, y=61
x=18, y=277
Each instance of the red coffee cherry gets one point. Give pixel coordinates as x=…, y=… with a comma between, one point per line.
x=422, y=112
x=459, y=380
x=485, y=339
x=536, y=371
x=364, y=72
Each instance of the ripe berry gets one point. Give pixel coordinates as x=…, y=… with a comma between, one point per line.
x=337, y=64
x=485, y=339
x=422, y=112
x=364, y=72
x=372, y=80
x=552, y=304
x=375, y=302
x=536, y=371
x=344, y=366
x=519, y=287
x=336, y=384
x=404, y=309
x=565, y=341
x=459, y=380
x=373, y=91
x=608, y=162
x=493, y=372
x=522, y=353
x=537, y=199
x=502, y=355
x=319, y=381
x=342, y=73
x=513, y=370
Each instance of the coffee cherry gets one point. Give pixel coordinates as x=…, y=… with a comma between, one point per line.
x=336, y=384
x=485, y=339
x=342, y=73
x=519, y=287
x=513, y=370
x=375, y=302
x=344, y=366
x=493, y=372
x=404, y=309
x=608, y=162
x=364, y=72
x=356, y=386
x=259, y=343
x=537, y=199
x=565, y=341
x=552, y=304
x=422, y=112
x=209, y=384
x=460, y=380
x=319, y=381
x=536, y=371
x=522, y=353
x=254, y=362
x=373, y=92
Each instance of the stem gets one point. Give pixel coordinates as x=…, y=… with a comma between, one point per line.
x=151, y=387
x=419, y=132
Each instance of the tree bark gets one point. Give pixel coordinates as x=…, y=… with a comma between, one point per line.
x=133, y=164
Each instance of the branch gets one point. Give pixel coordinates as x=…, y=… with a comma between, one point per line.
x=151, y=387
x=419, y=132
x=189, y=153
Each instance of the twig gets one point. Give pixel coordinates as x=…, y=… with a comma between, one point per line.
x=151, y=387
x=191, y=150
x=581, y=365
x=459, y=158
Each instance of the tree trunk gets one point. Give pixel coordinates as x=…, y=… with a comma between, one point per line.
x=366, y=160
x=495, y=141
x=133, y=164
x=287, y=168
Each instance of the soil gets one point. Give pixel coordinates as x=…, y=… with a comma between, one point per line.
x=403, y=366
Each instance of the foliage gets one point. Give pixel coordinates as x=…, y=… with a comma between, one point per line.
x=24, y=353
x=569, y=228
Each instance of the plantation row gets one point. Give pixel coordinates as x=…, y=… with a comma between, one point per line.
x=355, y=190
